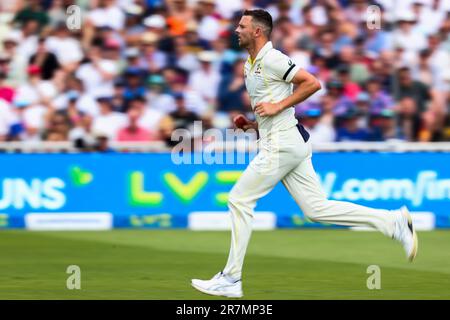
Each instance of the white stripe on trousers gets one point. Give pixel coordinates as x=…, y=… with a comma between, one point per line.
x=285, y=156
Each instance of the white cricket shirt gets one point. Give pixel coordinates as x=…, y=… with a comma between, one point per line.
x=268, y=79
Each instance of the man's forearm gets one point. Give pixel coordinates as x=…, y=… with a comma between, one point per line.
x=300, y=94
x=307, y=85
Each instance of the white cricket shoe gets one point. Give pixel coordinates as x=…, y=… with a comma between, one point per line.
x=406, y=234
x=219, y=285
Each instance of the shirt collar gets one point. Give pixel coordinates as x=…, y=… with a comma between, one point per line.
x=262, y=52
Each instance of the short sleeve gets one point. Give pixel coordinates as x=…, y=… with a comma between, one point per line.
x=281, y=67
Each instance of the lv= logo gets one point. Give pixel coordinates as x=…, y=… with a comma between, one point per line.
x=184, y=191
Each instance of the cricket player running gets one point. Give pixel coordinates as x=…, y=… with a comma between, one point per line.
x=285, y=154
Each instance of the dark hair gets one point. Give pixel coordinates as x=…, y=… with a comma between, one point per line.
x=307, y=8
x=261, y=17
x=138, y=98
x=403, y=69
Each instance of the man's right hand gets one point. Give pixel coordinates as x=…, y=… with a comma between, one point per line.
x=241, y=122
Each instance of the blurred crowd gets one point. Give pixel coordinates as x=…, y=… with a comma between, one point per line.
x=136, y=70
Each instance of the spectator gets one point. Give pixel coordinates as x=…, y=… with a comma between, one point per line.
x=382, y=70
x=149, y=117
x=82, y=134
x=102, y=145
x=6, y=92
x=107, y=14
x=326, y=49
x=118, y=98
x=323, y=73
x=309, y=26
x=409, y=119
x=157, y=95
x=152, y=59
x=209, y=21
x=75, y=90
x=133, y=26
x=32, y=119
x=377, y=40
x=283, y=29
x=357, y=11
x=133, y=132
x=182, y=117
x=184, y=55
x=166, y=128
x=17, y=63
x=156, y=24
x=57, y=13
x=98, y=74
x=27, y=38
x=71, y=112
x=350, y=88
x=428, y=17
x=132, y=56
x=46, y=60
x=29, y=91
x=7, y=119
x=379, y=99
x=319, y=14
x=108, y=122
x=33, y=11
x=206, y=74
x=349, y=129
x=228, y=8
x=384, y=127
x=439, y=57
x=231, y=96
x=319, y=128
x=423, y=71
x=194, y=101
x=179, y=17
x=66, y=48
x=133, y=86
x=408, y=87
x=405, y=37
x=58, y=127
x=362, y=106
x=335, y=92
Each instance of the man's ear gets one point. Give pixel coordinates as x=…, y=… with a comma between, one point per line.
x=258, y=31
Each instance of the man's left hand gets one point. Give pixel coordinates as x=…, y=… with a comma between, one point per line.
x=265, y=109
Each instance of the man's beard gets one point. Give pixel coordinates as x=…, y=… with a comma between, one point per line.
x=242, y=44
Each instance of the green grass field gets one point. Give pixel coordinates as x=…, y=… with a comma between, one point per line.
x=282, y=264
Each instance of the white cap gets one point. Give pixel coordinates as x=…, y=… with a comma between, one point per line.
x=134, y=9
x=422, y=2
x=207, y=56
x=406, y=15
x=131, y=52
x=155, y=21
x=13, y=35
x=101, y=92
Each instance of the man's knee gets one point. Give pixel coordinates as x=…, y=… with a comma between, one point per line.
x=238, y=203
x=234, y=200
x=315, y=209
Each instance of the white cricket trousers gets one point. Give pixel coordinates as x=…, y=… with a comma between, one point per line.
x=285, y=156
